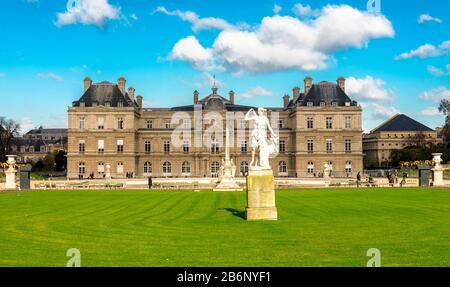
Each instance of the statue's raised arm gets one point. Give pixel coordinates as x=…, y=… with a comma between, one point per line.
x=251, y=115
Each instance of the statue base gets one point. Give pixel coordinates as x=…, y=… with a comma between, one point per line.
x=10, y=183
x=227, y=184
x=438, y=176
x=261, y=195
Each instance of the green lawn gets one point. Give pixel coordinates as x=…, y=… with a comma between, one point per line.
x=328, y=227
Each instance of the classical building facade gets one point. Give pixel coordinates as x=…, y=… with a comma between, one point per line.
x=110, y=130
x=398, y=132
x=37, y=143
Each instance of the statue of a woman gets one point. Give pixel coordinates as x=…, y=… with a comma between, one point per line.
x=259, y=139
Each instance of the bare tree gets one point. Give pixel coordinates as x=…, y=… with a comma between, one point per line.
x=8, y=130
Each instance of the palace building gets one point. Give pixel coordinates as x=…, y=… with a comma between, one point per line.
x=110, y=131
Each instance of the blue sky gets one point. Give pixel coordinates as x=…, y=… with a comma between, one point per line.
x=397, y=61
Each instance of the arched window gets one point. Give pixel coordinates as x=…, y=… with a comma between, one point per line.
x=244, y=168
x=147, y=167
x=282, y=167
x=348, y=167
x=167, y=167
x=215, y=166
x=120, y=167
x=101, y=167
x=310, y=167
x=81, y=168
x=186, y=168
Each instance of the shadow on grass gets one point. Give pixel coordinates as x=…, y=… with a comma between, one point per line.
x=235, y=212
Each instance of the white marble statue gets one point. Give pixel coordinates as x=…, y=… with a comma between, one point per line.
x=11, y=173
x=259, y=140
x=227, y=170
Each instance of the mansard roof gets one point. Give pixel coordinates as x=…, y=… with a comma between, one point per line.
x=401, y=123
x=41, y=130
x=103, y=93
x=327, y=93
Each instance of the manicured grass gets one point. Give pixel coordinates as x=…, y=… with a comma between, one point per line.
x=320, y=227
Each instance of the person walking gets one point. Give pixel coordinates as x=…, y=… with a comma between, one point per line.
x=358, y=179
x=150, y=182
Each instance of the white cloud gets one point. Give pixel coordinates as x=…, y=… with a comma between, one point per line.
x=277, y=9
x=426, y=51
x=304, y=11
x=50, y=75
x=197, y=22
x=256, y=92
x=368, y=89
x=134, y=17
x=88, y=12
x=190, y=50
x=284, y=42
x=436, y=95
x=26, y=124
x=430, y=111
x=382, y=111
x=428, y=18
x=432, y=70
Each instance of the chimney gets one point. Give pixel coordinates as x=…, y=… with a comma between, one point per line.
x=341, y=83
x=296, y=93
x=308, y=84
x=131, y=93
x=286, y=101
x=87, y=83
x=139, y=101
x=231, y=97
x=195, y=97
x=121, y=83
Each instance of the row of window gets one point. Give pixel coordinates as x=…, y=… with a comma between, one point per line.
x=149, y=123
x=329, y=146
x=215, y=147
x=167, y=168
x=214, y=167
x=329, y=122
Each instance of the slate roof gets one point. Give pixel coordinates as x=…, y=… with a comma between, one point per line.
x=47, y=131
x=325, y=92
x=401, y=123
x=102, y=93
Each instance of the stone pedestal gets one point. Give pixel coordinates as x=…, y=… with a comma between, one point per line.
x=438, y=177
x=10, y=173
x=227, y=184
x=261, y=195
x=108, y=171
x=437, y=170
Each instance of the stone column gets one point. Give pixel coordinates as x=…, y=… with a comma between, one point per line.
x=11, y=173
x=261, y=195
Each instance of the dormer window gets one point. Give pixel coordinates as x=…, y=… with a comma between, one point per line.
x=94, y=104
x=334, y=104
x=81, y=104
x=107, y=104
x=120, y=104
x=322, y=104
x=309, y=104
x=347, y=104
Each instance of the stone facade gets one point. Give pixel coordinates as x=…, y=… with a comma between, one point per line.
x=110, y=126
x=398, y=132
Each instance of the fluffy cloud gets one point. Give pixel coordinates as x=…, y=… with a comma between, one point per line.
x=436, y=95
x=426, y=51
x=432, y=70
x=428, y=18
x=430, y=111
x=190, y=50
x=284, y=42
x=304, y=11
x=26, y=124
x=256, y=92
x=368, y=89
x=381, y=112
x=197, y=22
x=50, y=75
x=276, y=9
x=88, y=12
